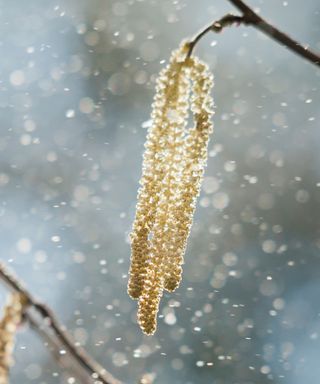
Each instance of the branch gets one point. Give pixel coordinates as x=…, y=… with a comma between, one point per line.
x=217, y=27
x=249, y=17
x=51, y=323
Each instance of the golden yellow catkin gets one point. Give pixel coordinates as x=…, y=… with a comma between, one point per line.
x=173, y=166
x=195, y=158
x=161, y=231
x=152, y=177
x=154, y=170
x=12, y=316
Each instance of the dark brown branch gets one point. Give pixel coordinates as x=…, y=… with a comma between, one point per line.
x=94, y=370
x=249, y=17
x=242, y=7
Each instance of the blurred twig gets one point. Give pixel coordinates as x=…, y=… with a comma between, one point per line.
x=250, y=17
x=51, y=327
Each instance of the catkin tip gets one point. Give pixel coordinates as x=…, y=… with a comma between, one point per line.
x=171, y=285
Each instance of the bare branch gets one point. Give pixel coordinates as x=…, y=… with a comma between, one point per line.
x=34, y=308
x=242, y=7
x=217, y=26
x=249, y=17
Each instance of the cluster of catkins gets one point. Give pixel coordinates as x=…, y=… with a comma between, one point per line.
x=173, y=166
x=12, y=316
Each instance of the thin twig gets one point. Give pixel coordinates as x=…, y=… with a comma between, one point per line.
x=95, y=371
x=249, y=17
x=66, y=361
x=217, y=27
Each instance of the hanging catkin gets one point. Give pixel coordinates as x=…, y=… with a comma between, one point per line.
x=195, y=158
x=153, y=173
x=12, y=316
x=173, y=167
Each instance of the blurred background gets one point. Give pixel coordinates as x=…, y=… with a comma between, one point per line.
x=77, y=82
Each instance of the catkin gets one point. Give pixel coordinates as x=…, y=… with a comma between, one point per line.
x=195, y=158
x=173, y=167
x=12, y=316
x=154, y=169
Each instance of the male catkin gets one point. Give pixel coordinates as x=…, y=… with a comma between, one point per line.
x=12, y=316
x=173, y=167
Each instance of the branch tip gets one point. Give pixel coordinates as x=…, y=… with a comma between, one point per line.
x=250, y=17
